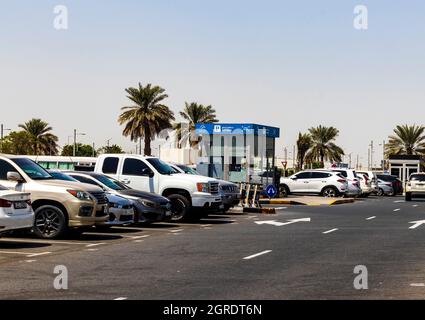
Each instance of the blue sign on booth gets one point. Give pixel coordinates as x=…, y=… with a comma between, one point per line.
x=237, y=128
x=271, y=191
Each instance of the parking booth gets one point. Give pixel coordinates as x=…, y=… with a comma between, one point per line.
x=402, y=166
x=237, y=152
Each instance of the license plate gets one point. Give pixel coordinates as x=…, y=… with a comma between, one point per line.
x=20, y=205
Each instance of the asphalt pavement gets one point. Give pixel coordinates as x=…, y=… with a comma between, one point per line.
x=302, y=252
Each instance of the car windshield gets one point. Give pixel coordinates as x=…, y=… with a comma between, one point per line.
x=111, y=183
x=32, y=169
x=161, y=166
x=61, y=176
x=387, y=178
x=187, y=169
x=418, y=177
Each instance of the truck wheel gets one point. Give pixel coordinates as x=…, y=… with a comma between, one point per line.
x=180, y=207
x=408, y=196
x=49, y=222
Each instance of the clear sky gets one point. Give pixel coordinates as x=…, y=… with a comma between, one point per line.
x=291, y=64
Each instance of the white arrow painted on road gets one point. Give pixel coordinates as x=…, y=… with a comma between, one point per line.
x=417, y=224
x=279, y=224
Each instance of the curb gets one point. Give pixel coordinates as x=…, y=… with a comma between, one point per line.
x=292, y=202
x=260, y=210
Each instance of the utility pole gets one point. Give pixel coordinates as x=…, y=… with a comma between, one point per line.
x=294, y=157
x=368, y=158
x=74, y=150
x=285, y=151
x=383, y=155
x=371, y=155
x=93, y=150
x=2, y=136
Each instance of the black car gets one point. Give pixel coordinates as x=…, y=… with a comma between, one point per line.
x=150, y=207
x=396, y=182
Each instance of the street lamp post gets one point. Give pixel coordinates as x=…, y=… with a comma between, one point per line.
x=74, y=152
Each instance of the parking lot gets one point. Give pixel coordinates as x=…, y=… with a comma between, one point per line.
x=301, y=252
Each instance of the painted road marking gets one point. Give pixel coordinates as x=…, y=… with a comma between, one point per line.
x=42, y=241
x=138, y=241
x=280, y=224
x=120, y=299
x=92, y=250
x=30, y=261
x=257, y=255
x=415, y=206
x=417, y=284
x=95, y=244
x=178, y=230
x=329, y=231
x=27, y=254
x=395, y=210
x=371, y=218
x=399, y=201
x=417, y=224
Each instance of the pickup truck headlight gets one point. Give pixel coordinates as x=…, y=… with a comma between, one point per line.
x=81, y=195
x=203, y=187
x=148, y=204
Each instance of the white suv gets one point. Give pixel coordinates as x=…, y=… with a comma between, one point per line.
x=325, y=183
x=354, y=188
x=415, y=186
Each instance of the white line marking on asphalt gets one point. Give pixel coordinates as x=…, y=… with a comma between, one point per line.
x=30, y=261
x=399, y=201
x=207, y=228
x=178, y=230
x=205, y=225
x=395, y=210
x=120, y=299
x=92, y=250
x=257, y=255
x=38, y=254
x=417, y=224
x=371, y=218
x=138, y=241
x=329, y=231
x=95, y=244
x=415, y=206
x=417, y=284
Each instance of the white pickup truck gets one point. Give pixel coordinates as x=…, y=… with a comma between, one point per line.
x=190, y=196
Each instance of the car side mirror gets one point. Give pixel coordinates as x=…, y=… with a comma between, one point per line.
x=14, y=176
x=294, y=178
x=147, y=172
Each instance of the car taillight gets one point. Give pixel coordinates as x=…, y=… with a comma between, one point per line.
x=389, y=184
x=5, y=203
x=342, y=181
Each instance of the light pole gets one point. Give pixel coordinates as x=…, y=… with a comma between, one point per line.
x=75, y=141
x=383, y=155
x=2, y=136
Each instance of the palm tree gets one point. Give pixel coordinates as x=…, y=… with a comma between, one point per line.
x=148, y=117
x=194, y=113
x=41, y=140
x=408, y=140
x=303, y=145
x=323, y=146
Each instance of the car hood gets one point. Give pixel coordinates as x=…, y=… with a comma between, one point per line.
x=192, y=178
x=143, y=195
x=113, y=198
x=70, y=185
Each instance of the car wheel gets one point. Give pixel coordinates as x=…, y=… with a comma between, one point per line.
x=283, y=191
x=180, y=207
x=408, y=196
x=329, y=192
x=49, y=222
x=381, y=192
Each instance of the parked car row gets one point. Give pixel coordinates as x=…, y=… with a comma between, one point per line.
x=336, y=182
x=123, y=189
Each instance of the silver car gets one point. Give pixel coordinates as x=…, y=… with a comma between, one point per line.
x=385, y=188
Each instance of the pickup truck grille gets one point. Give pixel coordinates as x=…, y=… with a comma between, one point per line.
x=214, y=187
x=229, y=188
x=100, y=197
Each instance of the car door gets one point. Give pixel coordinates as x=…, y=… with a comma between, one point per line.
x=300, y=182
x=137, y=174
x=318, y=181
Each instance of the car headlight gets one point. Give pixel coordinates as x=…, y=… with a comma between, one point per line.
x=147, y=203
x=81, y=195
x=203, y=187
x=114, y=205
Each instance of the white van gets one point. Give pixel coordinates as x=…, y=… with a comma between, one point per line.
x=190, y=195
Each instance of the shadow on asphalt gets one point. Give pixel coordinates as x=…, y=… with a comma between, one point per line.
x=10, y=244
